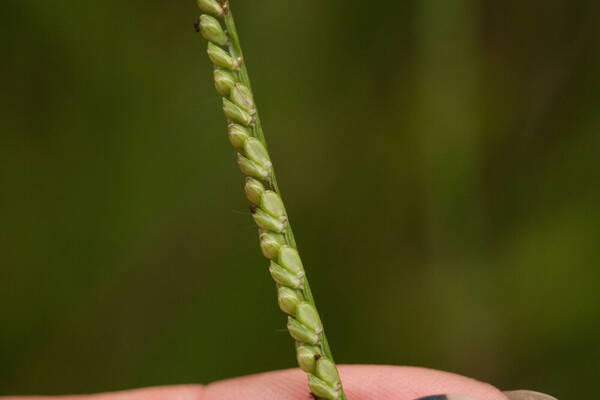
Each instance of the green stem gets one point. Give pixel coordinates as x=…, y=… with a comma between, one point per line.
x=236, y=51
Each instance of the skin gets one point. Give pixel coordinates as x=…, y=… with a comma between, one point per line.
x=361, y=382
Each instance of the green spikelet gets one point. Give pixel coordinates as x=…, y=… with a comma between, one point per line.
x=220, y=57
x=210, y=7
x=223, y=81
x=212, y=31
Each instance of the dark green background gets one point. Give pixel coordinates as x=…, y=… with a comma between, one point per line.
x=439, y=161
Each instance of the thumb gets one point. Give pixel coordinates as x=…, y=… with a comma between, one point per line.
x=361, y=382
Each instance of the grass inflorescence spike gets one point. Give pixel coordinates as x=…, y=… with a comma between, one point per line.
x=276, y=239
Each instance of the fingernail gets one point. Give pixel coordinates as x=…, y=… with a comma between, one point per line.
x=447, y=397
x=527, y=395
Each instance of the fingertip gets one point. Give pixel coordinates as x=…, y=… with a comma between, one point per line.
x=361, y=382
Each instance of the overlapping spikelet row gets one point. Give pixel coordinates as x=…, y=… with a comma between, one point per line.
x=267, y=208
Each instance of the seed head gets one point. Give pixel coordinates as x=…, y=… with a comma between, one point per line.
x=293, y=294
x=220, y=57
x=288, y=299
x=212, y=31
x=211, y=7
x=302, y=333
x=285, y=277
x=250, y=168
x=270, y=243
x=223, y=82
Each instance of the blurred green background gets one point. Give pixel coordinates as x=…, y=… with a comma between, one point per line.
x=439, y=161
